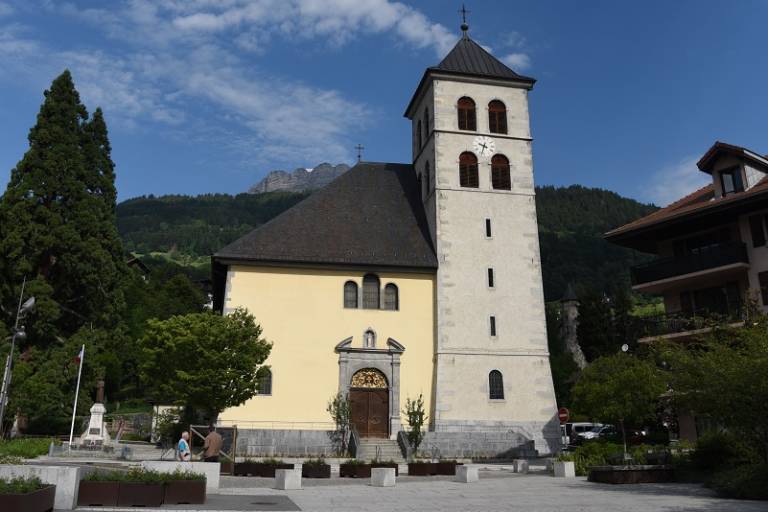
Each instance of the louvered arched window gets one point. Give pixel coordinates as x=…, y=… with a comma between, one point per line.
x=500, y=173
x=391, y=298
x=350, y=295
x=427, y=179
x=497, y=117
x=418, y=136
x=467, y=114
x=265, y=382
x=468, y=174
x=371, y=292
x=426, y=124
x=495, y=385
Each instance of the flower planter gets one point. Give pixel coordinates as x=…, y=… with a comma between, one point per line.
x=422, y=468
x=37, y=501
x=355, y=470
x=259, y=469
x=386, y=465
x=227, y=468
x=184, y=491
x=97, y=494
x=139, y=494
x=446, y=468
x=316, y=471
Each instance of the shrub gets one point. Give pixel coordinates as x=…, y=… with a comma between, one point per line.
x=106, y=476
x=355, y=462
x=271, y=462
x=144, y=476
x=315, y=462
x=717, y=449
x=20, y=485
x=592, y=454
x=26, y=448
x=747, y=482
x=388, y=462
x=179, y=475
x=10, y=459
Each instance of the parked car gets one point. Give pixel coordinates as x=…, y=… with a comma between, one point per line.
x=574, y=431
x=600, y=432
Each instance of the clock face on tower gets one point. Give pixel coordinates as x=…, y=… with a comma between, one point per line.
x=484, y=146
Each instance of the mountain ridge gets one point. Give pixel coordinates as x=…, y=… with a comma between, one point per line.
x=300, y=179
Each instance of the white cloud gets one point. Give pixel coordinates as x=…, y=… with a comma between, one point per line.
x=675, y=181
x=517, y=61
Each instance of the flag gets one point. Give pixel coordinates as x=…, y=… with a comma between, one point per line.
x=79, y=357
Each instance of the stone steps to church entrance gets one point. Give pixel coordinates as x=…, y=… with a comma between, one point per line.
x=382, y=449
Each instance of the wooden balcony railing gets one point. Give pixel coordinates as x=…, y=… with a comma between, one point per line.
x=705, y=259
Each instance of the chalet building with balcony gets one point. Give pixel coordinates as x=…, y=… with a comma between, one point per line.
x=711, y=247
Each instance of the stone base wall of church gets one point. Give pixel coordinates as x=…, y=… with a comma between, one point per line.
x=283, y=443
x=482, y=439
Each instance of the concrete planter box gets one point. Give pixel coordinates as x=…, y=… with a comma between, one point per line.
x=37, y=501
x=564, y=469
x=383, y=477
x=631, y=474
x=423, y=469
x=184, y=492
x=211, y=470
x=259, y=469
x=316, y=471
x=97, y=494
x=355, y=470
x=137, y=494
x=447, y=468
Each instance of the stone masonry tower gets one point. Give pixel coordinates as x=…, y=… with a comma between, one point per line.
x=472, y=154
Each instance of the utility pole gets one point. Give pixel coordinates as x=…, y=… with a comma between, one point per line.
x=20, y=334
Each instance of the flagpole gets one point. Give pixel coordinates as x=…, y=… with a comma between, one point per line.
x=77, y=392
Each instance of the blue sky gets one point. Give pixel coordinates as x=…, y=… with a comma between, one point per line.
x=207, y=96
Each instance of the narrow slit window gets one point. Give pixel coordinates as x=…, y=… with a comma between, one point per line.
x=490, y=278
x=488, y=232
x=493, y=326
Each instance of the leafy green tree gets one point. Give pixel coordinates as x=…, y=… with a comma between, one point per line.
x=618, y=389
x=725, y=377
x=340, y=409
x=57, y=228
x=203, y=361
x=414, y=411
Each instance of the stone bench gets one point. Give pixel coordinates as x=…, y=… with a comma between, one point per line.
x=466, y=474
x=564, y=469
x=383, y=477
x=211, y=470
x=287, y=479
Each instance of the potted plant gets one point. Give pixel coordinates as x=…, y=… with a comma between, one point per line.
x=100, y=489
x=422, y=468
x=386, y=464
x=354, y=468
x=182, y=487
x=316, y=468
x=268, y=467
x=141, y=488
x=446, y=467
x=26, y=495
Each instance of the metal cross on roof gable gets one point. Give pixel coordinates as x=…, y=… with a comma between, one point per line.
x=359, y=149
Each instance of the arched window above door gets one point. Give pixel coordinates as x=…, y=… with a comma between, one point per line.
x=371, y=292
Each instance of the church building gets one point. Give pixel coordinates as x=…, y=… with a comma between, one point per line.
x=399, y=280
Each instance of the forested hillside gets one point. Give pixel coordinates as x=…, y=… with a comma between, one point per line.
x=571, y=223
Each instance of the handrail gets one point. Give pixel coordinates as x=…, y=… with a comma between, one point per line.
x=405, y=445
x=354, y=441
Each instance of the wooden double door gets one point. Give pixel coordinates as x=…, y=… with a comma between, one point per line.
x=369, y=410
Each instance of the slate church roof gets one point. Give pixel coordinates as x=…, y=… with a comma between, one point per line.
x=372, y=216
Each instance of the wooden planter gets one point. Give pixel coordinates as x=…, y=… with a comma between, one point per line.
x=393, y=466
x=38, y=501
x=97, y=494
x=446, y=468
x=138, y=494
x=422, y=469
x=316, y=471
x=259, y=469
x=179, y=492
x=227, y=468
x=355, y=470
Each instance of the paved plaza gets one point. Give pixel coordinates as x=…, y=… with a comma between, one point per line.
x=496, y=491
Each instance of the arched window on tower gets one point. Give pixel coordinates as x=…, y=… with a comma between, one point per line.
x=426, y=124
x=497, y=117
x=467, y=114
x=371, y=292
x=495, y=385
x=391, y=297
x=418, y=136
x=350, y=295
x=468, y=174
x=265, y=382
x=427, y=179
x=500, y=173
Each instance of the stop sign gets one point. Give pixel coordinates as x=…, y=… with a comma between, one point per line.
x=563, y=414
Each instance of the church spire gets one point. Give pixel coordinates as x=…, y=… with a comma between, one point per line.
x=464, y=27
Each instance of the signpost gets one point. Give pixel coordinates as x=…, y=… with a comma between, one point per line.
x=563, y=414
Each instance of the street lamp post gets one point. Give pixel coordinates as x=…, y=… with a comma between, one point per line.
x=20, y=334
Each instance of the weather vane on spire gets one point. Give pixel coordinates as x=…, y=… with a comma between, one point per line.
x=464, y=27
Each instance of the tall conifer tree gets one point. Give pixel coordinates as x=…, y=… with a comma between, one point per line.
x=57, y=228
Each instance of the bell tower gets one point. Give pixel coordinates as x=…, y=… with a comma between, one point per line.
x=472, y=154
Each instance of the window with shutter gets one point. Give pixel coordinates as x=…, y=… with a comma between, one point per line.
x=468, y=173
x=467, y=114
x=500, y=178
x=497, y=117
